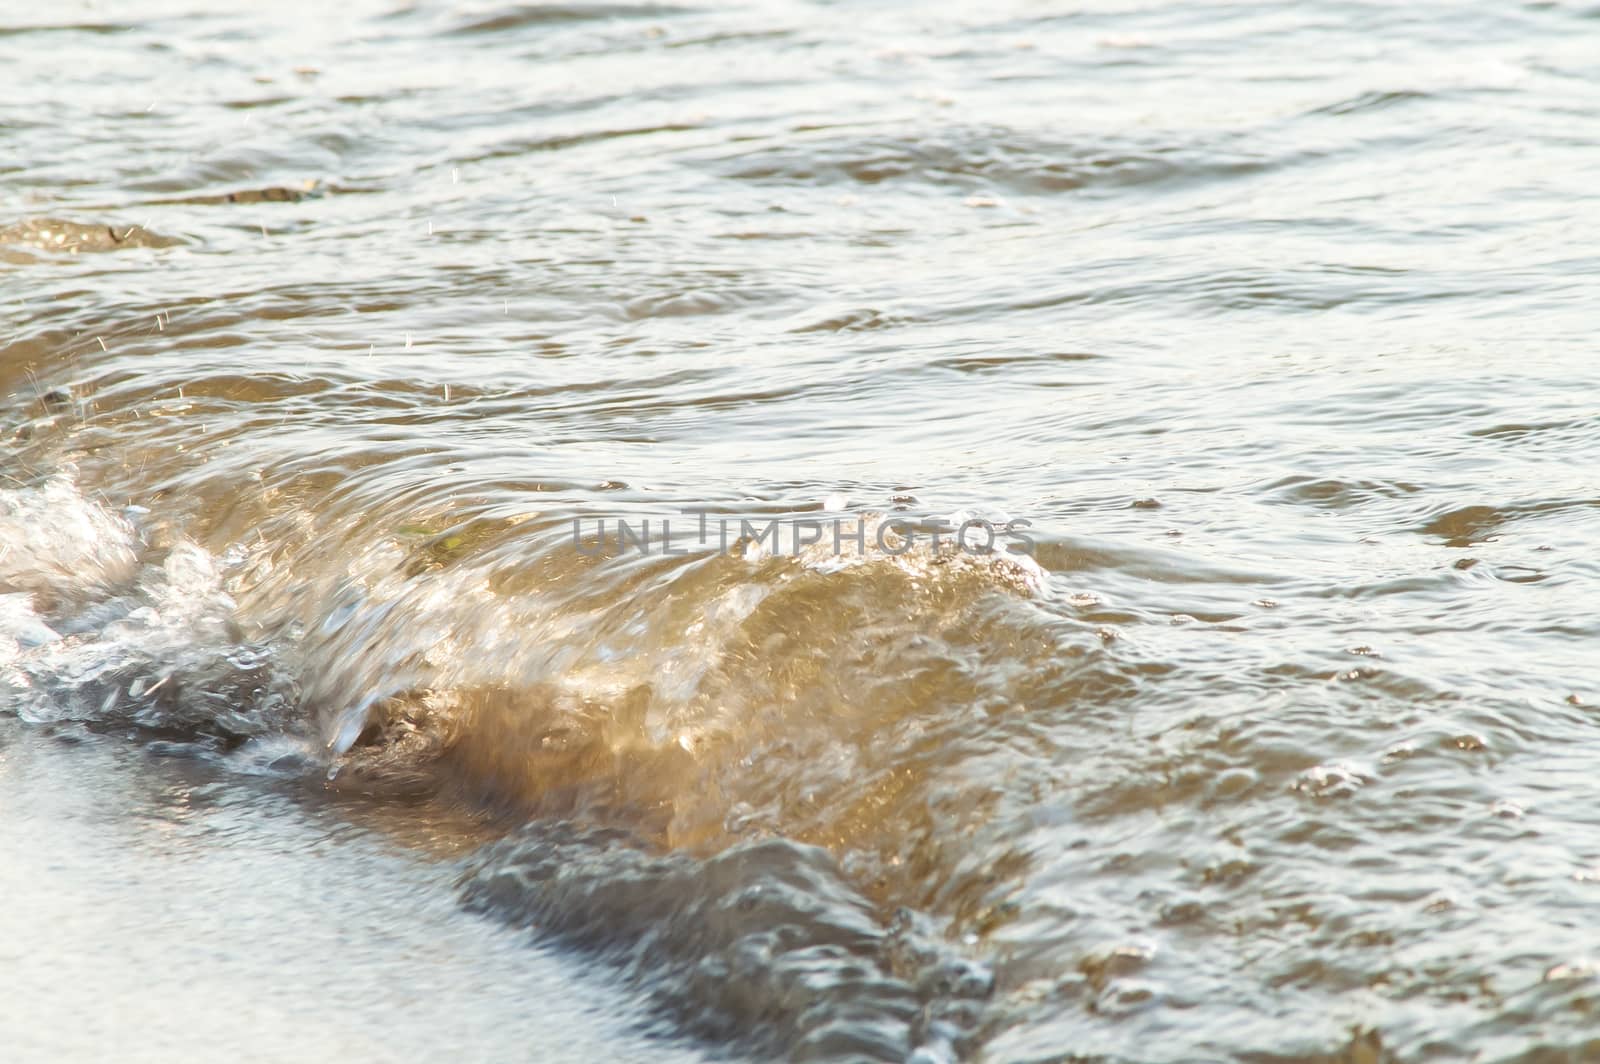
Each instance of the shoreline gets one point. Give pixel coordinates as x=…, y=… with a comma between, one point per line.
x=158, y=910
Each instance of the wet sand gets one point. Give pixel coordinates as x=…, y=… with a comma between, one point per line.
x=155, y=913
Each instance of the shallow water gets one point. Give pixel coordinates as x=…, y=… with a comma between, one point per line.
x=323, y=324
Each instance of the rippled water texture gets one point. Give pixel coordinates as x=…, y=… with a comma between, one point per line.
x=323, y=322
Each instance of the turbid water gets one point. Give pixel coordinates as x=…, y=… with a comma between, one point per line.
x=1270, y=325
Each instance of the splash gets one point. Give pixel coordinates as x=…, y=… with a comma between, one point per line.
x=98, y=626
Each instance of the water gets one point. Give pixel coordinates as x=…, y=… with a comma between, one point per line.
x=322, y=324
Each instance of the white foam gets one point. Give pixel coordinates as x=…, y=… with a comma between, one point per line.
x=55, y=541
x=90, y=630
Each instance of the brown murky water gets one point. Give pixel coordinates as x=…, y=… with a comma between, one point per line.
x=1271, y=325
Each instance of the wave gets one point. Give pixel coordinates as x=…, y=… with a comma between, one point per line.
x=766, y=945
x=655, y=746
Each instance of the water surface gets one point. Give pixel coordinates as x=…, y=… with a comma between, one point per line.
x=322, y=324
